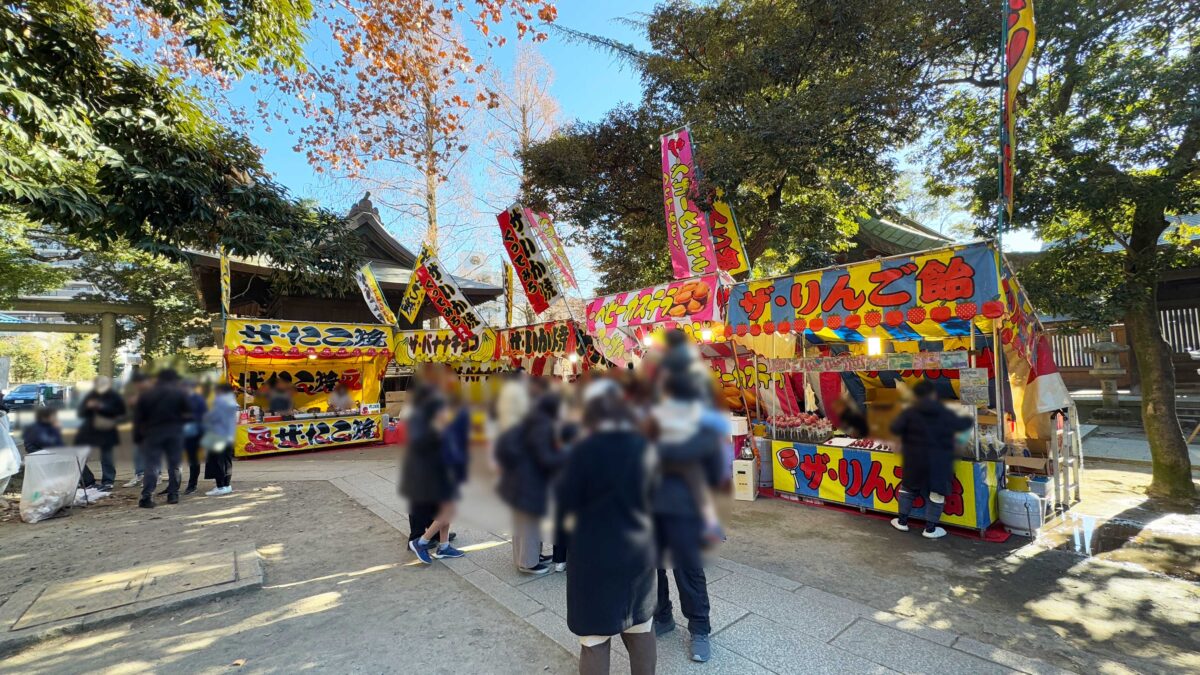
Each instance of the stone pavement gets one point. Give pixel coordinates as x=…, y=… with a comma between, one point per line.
x=38, y=611
x=761, y=622
x=1126, y=445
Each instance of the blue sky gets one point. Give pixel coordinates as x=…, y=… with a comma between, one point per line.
x=587, y=83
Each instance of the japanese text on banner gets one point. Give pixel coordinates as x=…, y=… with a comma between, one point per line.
x=373, y=295
x=949, y=284
x=680, y=301
x=544, y=228
x=516, y=230
x=727, y=238
x=414, y=294
x=448, y=300
x=688, y=236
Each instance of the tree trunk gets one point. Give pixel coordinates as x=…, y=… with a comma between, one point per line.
x=1170, y=464
x=1172, y=468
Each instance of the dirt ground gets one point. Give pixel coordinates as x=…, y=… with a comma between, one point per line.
x=1105, y=614
x=340, y=594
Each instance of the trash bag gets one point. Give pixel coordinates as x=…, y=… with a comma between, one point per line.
x=50, y=480
x=10, y=456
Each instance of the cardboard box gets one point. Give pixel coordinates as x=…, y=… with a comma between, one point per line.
x=1042, y=465
x=745, y=479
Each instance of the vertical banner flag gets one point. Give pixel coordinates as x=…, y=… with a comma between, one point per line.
x=509, y=300
x=544, y=228
x=1019, y=33
x=374, y=295
x=688, y=237
x=448, y=299
x=225, y=281
x=727, y=238
x=414, y=295
x=516, y=230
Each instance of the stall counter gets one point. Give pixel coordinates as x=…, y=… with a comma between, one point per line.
x=316, y=433
x=869, y=479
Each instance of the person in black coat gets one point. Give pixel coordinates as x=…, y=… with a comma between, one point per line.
x=428, y=477
x=529, y=458
x=605, y=491
x=159, y=416
x=690, y=454
x=99, y=411
x=926, y=430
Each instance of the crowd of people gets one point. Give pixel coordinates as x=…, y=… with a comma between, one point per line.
x=172, y=419
x=625, y=466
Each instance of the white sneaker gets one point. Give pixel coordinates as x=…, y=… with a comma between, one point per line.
x=896, y=524
x=936, y=533
x=560, y=567
x=135, y=481
x=227, y=490
x=215, y=492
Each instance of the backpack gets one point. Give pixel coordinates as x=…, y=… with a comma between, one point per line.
x=510, y=446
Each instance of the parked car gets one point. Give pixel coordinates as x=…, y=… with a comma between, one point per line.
x=34, y=394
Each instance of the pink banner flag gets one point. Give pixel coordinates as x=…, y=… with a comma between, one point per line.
x=688, y=235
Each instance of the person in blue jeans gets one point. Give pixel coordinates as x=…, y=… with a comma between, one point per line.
x=192, y=431
x=432, y=471
x=926, y=430
x=99, y=412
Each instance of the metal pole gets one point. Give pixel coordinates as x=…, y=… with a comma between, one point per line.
x=1001, y=202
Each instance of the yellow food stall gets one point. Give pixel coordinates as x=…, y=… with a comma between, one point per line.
x=317, y=357
x=799, y=347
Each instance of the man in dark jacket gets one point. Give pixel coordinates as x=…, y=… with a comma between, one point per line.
x=684, y=446
x=44, y=432
x=159, y=416
x=926, y=430
x=428, y=480
x=100, y=410
x=529, y=459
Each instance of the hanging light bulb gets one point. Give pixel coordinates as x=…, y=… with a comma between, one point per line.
x=706, y=335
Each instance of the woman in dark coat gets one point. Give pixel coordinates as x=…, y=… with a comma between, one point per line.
x=606, y=487
x=428, y=478
x=529, y=459
x=99, y=412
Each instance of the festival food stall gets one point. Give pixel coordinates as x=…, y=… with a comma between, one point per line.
x=857, y=333
x=317, y=357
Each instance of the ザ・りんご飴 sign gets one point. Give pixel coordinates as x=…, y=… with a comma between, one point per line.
x=944, y=286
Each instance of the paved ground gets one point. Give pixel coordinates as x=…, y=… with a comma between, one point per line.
x=797, y=589
x=1126, y=444
x=338, y=596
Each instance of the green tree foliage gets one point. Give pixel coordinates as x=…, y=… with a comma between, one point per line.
x=124, y=274
x=22, y=272
x=794, y=107
x=1108, y=146
x=105, y=150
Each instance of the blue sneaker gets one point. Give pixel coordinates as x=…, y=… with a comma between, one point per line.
x=421, y=552
x=701, y=650
x=448, y=552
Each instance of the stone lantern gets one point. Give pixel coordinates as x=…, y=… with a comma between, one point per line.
x=1106, y=367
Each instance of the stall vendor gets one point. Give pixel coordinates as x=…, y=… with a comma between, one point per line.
x=280, y=401
x=340, y=400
